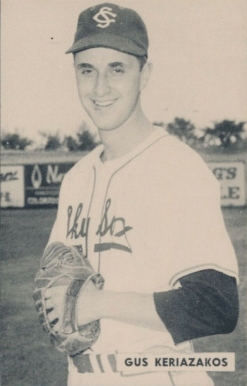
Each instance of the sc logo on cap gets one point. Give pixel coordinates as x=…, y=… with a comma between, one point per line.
x=102, y=17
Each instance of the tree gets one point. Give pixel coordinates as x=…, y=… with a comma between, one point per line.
x=53, y=141
x=71, y=143
x=224, y=134
x=15, y=141
x=86, y=140
x=184, y=130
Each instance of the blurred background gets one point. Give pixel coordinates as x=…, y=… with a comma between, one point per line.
x=197, y=47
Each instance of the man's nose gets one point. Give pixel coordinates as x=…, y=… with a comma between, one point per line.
x=102, y=86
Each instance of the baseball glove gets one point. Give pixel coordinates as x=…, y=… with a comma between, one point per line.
x=65, y=266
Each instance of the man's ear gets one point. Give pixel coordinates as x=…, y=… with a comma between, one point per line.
x=145, y=74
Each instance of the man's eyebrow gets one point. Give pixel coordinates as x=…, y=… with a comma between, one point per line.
x=116, y=64
x=84, y=65
x=111, y=65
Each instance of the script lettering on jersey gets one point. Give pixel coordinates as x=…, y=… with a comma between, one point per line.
x=115, y=228
x=77, y=227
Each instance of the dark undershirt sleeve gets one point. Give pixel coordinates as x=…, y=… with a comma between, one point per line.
x=205, y=304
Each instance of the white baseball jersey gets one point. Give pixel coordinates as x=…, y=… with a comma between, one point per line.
x=144, y=220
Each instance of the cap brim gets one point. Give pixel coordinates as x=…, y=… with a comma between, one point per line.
x=118, y=43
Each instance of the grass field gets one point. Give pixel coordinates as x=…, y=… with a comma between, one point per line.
x=27, y=357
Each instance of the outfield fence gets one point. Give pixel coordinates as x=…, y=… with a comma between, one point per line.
x=34, y=179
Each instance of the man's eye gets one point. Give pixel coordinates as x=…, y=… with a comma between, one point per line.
x=87, y=71
x=117, y=71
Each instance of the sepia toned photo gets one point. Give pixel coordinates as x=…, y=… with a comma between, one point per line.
x=123, y=193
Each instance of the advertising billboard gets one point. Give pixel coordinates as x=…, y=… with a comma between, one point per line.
x=232, y=180
x=39, y=184
x=42, y=183
x=12, y=186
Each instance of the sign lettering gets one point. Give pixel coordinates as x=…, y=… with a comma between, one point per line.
x=12, y=180
x=232, y=180
x=53, y=176
x=9, y=176
x=42, y=183
x=5, y=197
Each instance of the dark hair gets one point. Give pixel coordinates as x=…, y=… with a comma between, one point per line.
x=142, y=61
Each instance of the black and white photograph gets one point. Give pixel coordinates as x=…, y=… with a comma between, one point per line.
x=123, y=192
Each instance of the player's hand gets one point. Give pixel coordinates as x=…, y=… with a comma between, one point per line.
x=87, y=305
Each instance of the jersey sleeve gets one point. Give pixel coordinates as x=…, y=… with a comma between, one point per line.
x=205, y=304
x=196, y=237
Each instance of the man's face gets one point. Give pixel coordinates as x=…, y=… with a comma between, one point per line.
x=109, y=84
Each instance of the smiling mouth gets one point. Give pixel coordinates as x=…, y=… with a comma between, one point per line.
x=103, y=104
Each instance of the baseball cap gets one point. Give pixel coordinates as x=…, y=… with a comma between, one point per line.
x=111, y=26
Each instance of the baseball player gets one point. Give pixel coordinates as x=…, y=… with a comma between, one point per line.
x=144, y=210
